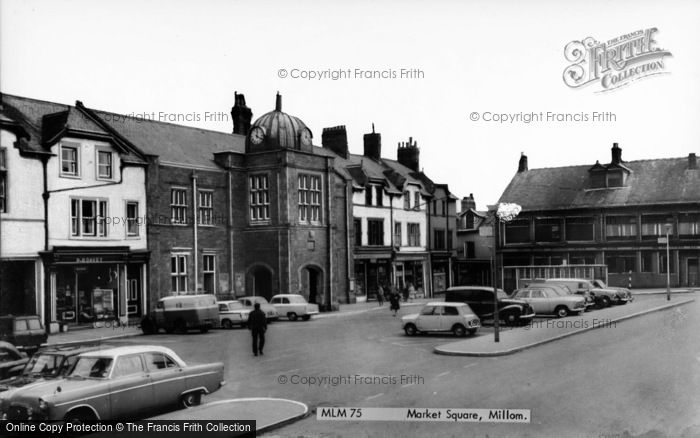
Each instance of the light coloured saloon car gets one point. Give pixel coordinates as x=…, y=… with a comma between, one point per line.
x=232, y=313
x=457, y=318
x=269, y=310
x=294, y=306
x=115, y=383
x=551, y=301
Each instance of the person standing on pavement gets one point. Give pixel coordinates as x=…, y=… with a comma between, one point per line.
x=394, y=299
x=257, y=324
x=380, y=294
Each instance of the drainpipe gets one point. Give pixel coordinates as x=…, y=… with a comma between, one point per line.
x=350, y=266
x=329, y=300
x=230, y=233
x=196, y=243
x=47, y=274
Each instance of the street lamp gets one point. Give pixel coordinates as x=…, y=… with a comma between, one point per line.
x=669, y=229
x=504, y=214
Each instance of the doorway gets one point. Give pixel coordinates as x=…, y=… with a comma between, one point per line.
x=262, y=282
x=312, y=284
x=693, y=272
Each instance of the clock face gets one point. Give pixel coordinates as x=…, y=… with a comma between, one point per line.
x=306, y=137
x=257, y=135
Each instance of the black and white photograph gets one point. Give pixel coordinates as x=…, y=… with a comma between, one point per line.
x=326, y=219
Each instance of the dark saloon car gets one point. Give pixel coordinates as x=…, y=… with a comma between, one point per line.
x=11, y=361
x=480, y=299
x=24, y=332
x=49, y=363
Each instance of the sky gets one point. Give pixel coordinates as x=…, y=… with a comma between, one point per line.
x=465, y=62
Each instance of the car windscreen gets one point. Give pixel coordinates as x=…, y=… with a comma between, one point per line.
x=91, y=367
x=43, y=364
x=522, y=293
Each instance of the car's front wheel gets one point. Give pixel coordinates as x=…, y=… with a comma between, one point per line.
x=510, y=318
x=410, y=329
x=80, y=416
x=191, y=399
x=292, y=316
x=605, y=302
x=226, y=323
x=459, y=330
x=561, y=311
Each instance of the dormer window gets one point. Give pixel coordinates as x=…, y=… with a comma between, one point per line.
x=104, y=164
x=615, y=179
x=368, y=195
x=70, y=160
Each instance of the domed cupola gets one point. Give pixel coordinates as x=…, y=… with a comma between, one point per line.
x=278, y=130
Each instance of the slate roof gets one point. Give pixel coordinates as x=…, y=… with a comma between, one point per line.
x=655, y=181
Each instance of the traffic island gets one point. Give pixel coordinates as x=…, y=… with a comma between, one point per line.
x=544, y=330
x=268, y=413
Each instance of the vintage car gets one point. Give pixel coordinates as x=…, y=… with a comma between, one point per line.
x=48, y=363
x=623, y=295
x=232, y=313
x=121, y=382
x=603, y=297
x=480, y=299
x=547, y=300
x=269, y=310
x=457, y=318
x=181, y=313
x=24, y=332
x=293, y=306
x=563, y=289
x=11, y=361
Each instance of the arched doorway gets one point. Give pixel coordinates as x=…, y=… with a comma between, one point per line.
x=261, y=281
x=312, y=284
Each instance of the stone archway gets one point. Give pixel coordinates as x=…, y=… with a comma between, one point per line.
x=260, y=281
x=312, y=284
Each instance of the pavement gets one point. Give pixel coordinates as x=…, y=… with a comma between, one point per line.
x=544, y=330
x=268, y=413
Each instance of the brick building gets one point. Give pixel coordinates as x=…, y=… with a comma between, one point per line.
x=610, y=214
x=474, y=245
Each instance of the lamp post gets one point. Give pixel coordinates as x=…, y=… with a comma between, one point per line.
x=504, y=214
x=669, y=228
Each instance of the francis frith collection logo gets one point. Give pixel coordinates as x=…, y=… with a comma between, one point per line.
x=616, y=62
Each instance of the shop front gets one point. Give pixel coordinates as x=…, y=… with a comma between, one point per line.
x=369, y=274
x=88, y=285
x=410, y=270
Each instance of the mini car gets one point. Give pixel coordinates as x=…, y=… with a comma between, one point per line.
x=11, y=361
x=232, y=313
x=24, y=332
x=294, y=306
x=48, y=363
x=480, y=299
x=269, y=310
x=116, y=383
x=550, y=301
x=457, y=318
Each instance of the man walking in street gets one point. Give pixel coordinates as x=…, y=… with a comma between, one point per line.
x=257, y=324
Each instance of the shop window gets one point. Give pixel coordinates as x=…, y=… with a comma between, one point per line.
x=259, y=198
x=178, y=205
x=517, y=231
x=664, y=263
x=689, y=225
x=398, y=237
x=205, y=207
x=178, y=273
x=621, y=227
x=209, y=273
x=70, y=160
x=88, y=218
x=132, y=219
x=104, y=164
x=620, y=263
x=654, y=226
x=309, y=198
x=413, y=234
x=579, y=229
x=357, y=231
x=375, y=231
x=547, y=230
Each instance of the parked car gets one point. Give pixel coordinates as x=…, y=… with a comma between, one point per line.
x=232, y=313
x=293, y=306
x=603, y=297
x=623, y=295
x=24, y=332
x=181, y=313
x=121, y=382
x=269, y=310
x=457, y=318
x=48, y=363
x=550, y=301
x=11, y=361
x=564, y=289
x=480, y=299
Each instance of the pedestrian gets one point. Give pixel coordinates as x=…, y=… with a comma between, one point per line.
x=394, y=299
x=380, y=294
x=257, y=324
x=405, y=293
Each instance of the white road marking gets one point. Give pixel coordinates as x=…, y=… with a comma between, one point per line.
x=374, y=396
x=407, y=385
x=469, y=365
x=289, y=371
x=443, y=374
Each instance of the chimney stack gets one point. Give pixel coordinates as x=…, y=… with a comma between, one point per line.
x=692, y=161
x=522, y=164
x=241, y=115
x=336, y=139
x=616, y=154
x=468, y=202
x=408, y=154
x=373, y=144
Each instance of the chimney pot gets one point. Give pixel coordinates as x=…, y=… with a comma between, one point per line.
x=336, y=139
x=241, y=115
x=692, y=161
x=278, y=102
x=616, y=154
x=522, y=164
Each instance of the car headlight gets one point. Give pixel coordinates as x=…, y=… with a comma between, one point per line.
x=43, y=406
